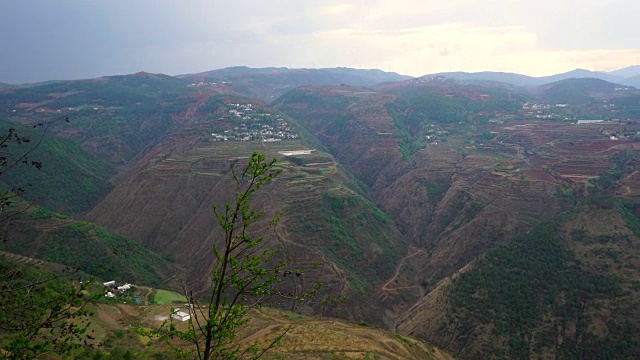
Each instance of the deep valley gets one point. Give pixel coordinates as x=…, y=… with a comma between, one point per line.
x=488, y=219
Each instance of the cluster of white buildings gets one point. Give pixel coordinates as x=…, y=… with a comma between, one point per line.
x=254, y=126
x=541, y=111
x=201, y=84
x=112, y=290
x=535, y=106
x=435, y=134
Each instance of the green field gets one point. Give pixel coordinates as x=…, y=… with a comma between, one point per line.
x=166, y=297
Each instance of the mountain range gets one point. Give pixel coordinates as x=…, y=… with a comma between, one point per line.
x=491, y=214
x=629, y=76
x=269, y=83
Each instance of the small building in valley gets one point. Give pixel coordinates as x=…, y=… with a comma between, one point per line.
x=180, y=315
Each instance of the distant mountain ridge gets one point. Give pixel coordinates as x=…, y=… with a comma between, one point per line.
x=629, y=76
x=630, y=71
x=370, y=76
x=269, y=83
x=581, y=90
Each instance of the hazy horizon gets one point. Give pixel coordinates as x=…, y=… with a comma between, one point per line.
x=73, y=39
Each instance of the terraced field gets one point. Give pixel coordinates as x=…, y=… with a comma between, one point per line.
x=15, y=258
x=334, y=234
x=572, y=152
x=474, y=190
x=306, y=337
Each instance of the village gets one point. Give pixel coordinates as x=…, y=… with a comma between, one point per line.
x=242, y=122
x=566, y=112
x=435, y=135
x=544, y=111
x=112, y=290
x=126, y=291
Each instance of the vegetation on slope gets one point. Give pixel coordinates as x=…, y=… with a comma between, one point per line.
x=121, y=91
x=316, y=100
x=112, y=117
x=536, y=295
x=269, y=83
x=307, y=338
x=40, y=311
x=576, y=91
x=447, y=103
x=71, y=180
x=352, y=219
x=55, y=238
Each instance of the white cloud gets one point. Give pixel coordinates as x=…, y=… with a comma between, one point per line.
x=410, y=36
x=457, y=46
x=340, y=9
x=415, y=37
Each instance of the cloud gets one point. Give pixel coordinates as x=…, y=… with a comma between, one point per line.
x=340, y=9
x=84, y=38
x=462, y=47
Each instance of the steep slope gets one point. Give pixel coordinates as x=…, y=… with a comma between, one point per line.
x=354, y=124
x=376, y=132
x=111, y=123
x=567, y=289
x=114, y=118
x=403, y=192
x=333, y=233
x=472, y=181
x=414, y=147
x=56, y=238
x=545, y=177
x=68, y=178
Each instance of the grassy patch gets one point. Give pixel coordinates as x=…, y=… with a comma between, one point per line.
x=166, y=297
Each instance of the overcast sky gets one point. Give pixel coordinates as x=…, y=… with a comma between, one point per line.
x=72, y=39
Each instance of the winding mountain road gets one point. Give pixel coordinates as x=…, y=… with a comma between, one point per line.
x=412, y=251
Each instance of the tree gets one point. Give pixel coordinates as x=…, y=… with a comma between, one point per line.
x=245, y=273
x=40, y=311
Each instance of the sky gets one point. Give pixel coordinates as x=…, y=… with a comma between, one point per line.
x=74, y=39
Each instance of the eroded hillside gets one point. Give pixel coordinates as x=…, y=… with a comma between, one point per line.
x=473, y=179
x=459, y=212
x=333, y=233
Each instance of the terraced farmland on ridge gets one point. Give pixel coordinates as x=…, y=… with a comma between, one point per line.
x=337, y=236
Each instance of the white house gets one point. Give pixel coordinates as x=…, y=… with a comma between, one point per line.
x=181, y=316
